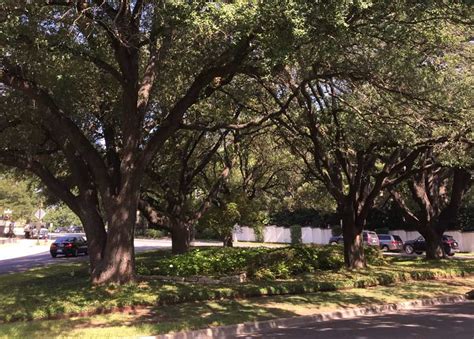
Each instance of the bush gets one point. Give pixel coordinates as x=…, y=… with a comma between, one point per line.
x=150, y=233
x=258, y=263
x=295, y=232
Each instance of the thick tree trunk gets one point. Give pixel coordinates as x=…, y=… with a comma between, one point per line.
x=118, y=262
x=180, y=236
x=95, y=234
x=434, y=245
x=228, y=241
x=353, y=248
x=353, y=243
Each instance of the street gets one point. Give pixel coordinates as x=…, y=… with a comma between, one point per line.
x=445, y=321
x=26, y=254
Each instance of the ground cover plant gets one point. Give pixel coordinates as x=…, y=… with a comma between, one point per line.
x=154, y=320
x=58, y=290
x=257, y=263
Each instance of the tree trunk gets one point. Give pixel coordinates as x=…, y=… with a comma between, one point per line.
x=118, y=261
x=180, y=236
x=228, y=241
x=95, y=234
x=433, y=242
x=353, y=243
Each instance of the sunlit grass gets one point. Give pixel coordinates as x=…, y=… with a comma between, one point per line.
x=64, y=289
x=188, y=316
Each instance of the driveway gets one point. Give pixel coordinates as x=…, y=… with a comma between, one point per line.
x=445, y=321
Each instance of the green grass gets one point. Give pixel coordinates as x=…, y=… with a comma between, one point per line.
x=188, y=316
x=64, y=289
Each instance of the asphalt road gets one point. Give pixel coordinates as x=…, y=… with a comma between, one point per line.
x=445, y=321
x=24, y=262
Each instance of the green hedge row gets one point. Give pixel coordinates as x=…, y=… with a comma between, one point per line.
x=258, y=263
x=187, y=294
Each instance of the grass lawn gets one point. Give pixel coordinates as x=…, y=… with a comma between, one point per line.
x=56, y=290
x=195, y=315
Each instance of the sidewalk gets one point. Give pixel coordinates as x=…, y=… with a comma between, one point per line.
x=16, y=248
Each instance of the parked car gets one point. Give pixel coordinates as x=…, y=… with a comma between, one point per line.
x=75, y=229
x=60, y=230
x=389, y=242
x=69, y=246
x=370, y=238
x=418, y=245
x=43, y=233
x=336, y=239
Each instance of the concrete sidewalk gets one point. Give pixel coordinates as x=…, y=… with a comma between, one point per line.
x=17, y=248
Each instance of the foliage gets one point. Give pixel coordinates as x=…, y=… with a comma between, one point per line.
x=222, y=220
x=61, y=216
x=150, y=233
x=302, y=216
x=259, y=263
x=19, y=196
x=156, y=320
x=29, y=295
x=295, y=232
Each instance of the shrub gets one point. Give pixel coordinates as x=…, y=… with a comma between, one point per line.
x=258, y=263
x=153, y=234
x=295, y=232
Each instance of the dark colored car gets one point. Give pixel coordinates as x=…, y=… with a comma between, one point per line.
x=418, y=245
x=69, y=246
x=370, y=238
x=75, y=229
x=336, y=239
x=389, y=242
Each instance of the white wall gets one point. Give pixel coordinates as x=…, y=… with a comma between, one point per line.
x=273, y=233
x=309, y=235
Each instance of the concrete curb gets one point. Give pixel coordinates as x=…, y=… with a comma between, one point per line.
x=249, y=327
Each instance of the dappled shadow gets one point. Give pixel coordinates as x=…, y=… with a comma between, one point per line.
x=156, y=320
x=455, y=321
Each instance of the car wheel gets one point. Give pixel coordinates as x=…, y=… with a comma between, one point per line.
x=408, y=249
x=74, y=253
x=385, y=248
x=449, y=251
x=54, y=255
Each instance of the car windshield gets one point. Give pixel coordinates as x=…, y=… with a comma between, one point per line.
x=447, y=237
x=397, y=238
x=66, y=239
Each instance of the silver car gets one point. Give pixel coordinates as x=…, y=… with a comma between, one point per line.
x=389, y=242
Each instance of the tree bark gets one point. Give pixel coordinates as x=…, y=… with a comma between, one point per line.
x=228, y=241
x=353, y=248
x=180, y=236
x=95, y=234
x=118, y=261
x=353, y=243
x=433, y=243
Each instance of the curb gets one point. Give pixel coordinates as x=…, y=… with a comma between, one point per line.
x=249, y=327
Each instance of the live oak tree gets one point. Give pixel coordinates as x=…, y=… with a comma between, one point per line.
x=180, y=187
x=436, y=193
x=363, y=117
x=101, y=88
